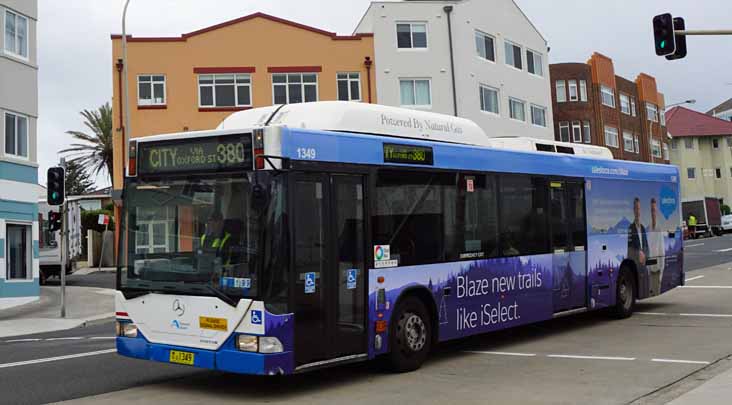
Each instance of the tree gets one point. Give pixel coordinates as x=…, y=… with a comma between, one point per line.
x=96, y=154
x=77, y=179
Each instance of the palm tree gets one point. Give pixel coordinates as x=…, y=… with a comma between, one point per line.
x=96, y=154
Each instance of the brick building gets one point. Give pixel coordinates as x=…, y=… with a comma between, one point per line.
x=593, y=105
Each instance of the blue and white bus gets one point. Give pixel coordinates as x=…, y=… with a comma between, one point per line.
x=302, y=236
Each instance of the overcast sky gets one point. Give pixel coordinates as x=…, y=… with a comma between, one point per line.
x=75, y=66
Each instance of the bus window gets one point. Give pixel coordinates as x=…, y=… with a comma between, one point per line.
x=476, y=218
x=523, y=213
x=413, y=212
x=558, y=206
x=577, y=225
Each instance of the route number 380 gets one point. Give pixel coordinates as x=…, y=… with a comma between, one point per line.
x=306, y=153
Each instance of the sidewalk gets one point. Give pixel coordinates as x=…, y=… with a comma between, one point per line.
x=717, y=390
x=83, y=305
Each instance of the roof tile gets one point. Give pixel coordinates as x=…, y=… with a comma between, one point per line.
x=682, y=122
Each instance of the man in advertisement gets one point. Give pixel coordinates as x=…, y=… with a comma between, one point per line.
x=657, y=251
x=638, y=249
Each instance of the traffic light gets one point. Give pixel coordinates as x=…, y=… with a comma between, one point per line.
x=54, y=221
x=663, y=34
x=680, y=53
x=55, y=186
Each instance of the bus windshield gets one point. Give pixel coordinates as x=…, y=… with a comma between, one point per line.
x=215, y=235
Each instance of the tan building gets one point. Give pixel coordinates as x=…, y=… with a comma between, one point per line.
x=701, y=146
x=192, y=82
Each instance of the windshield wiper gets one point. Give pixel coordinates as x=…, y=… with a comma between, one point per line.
x=216, y=292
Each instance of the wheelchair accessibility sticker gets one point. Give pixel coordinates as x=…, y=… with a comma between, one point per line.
x=310, y=283
x=256, y=317
x=352, y=279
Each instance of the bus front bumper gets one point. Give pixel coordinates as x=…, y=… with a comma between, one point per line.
x=227, y=358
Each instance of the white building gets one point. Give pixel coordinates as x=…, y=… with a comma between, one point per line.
x=722, y=111
x=501, y=72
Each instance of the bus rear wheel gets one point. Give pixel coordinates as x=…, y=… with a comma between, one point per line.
x=625, y=293
x=410, y=336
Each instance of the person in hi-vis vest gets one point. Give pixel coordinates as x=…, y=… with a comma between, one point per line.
x=215, y=239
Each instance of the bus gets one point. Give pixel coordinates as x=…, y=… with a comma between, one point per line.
x=302, y=236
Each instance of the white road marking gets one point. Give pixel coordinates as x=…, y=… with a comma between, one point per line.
x=103, y=337
x=687, y=315
x=22, y=340
x=694, y=245
x=723, y=250
x=680, y=361
x=58, y=358
x=723, y=287
x=694, y=278
x=571, y=356
x=503, y=353
x=63, y=338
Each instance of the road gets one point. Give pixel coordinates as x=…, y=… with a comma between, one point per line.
x=671, y=345
x=701, y=253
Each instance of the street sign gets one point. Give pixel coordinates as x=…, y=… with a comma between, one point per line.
x=103, y=219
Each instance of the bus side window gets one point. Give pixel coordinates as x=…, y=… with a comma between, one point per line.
x=578, y=227
x=524, y=226
x=476, y=225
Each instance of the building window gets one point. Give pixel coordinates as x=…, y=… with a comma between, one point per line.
x=608, y=96
x=674, y=144
x=19, y=252
x=656, y=148
x=349, y=86
x=412, y=35
x=561, y=91
x=624, y=104
x=538, y=115
x=588, y=135
x=715, y=143
x=16, y=34
x=564, y=131
x=292, y=88
x=730, y=172
x=662, y=114
x=489, y=99
x=718, y=173
x=691, y=173
x=513, y=55
x=573, y=90
x=628, y=141
x=534, y=63
x=16, y=135
x=652, y=112
x=611, y=137
x=665, y=152
x=415, y=92
x=224, y=90
x=583, y=90
x=636, y=143
x=517, y=109
x=485, y=46
x=151, y=90
x=633, y=108
x=576, y=132
x=689, y=143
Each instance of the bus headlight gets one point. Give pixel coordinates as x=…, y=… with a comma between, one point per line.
x=247, y=343
x=261, y=344
x=126, y=329
x=269, y=344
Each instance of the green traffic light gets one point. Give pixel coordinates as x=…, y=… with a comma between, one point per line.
x=54, y=195
x=663, y=44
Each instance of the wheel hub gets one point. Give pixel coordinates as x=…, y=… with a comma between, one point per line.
x=415, y=332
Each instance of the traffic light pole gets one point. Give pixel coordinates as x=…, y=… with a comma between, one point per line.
x=703, y=32
x=64, y=249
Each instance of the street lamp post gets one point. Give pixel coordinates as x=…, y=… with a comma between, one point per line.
x=125, y=99
x=692, y=101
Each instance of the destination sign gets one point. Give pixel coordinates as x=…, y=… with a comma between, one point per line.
x=408, y=154
x=195, y=155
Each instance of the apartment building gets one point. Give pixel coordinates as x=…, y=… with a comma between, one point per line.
x=477, y=59
x=19, y=265
x=722, y=111
x=701, y=146
x=593, y=105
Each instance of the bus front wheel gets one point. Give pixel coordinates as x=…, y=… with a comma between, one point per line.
x=625, y=293
x=410, y=335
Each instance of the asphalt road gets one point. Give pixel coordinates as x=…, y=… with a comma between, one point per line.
x=670, y=346
x=102, y=279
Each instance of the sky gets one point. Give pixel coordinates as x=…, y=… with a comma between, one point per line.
x=75, y=56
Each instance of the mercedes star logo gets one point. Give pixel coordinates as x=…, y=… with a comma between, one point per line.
x=179, y=308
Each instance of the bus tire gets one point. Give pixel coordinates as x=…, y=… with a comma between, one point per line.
x=625, y=293
x=410, y=335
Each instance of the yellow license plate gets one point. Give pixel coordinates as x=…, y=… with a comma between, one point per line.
x=181, y=357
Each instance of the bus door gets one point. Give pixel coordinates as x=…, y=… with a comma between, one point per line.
x=569, y=241
x=329, y=265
